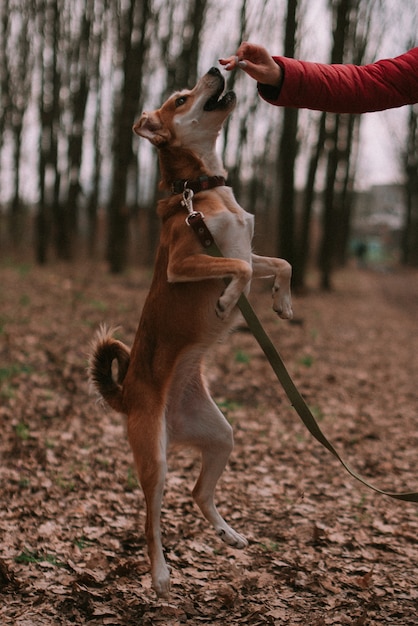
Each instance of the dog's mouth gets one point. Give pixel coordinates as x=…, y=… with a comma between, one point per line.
x=217, y=102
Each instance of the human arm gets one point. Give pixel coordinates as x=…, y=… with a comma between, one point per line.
x=336, y=88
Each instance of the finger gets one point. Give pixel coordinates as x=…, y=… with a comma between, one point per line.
x=229, y=63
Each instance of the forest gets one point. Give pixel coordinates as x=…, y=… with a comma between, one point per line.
x=75, y=74
x=78, y=233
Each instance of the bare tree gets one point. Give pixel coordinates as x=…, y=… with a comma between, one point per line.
x=288, y=148
x=183, y=73
x=47, y=22
x=97, y=37
x=133, y=44
x=352, y=19
x=20, y=76
x=76, y=60
x=410, y=231
x=180, y=47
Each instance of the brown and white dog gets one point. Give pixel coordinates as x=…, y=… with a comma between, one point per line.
x=160, y=385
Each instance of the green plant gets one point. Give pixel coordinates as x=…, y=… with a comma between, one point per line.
x=33, y=556
x=22, y=431
x=228, y=405
x=306, y=360
x=132, y=481
x=242, y=357
x=270, y=546
x=24, y=300
x=317, y=412
x=7, y=392
x=82, y=543
x=6, y=373
x=3, y=321
x=99, y=305
x=24, y=269
x=65, y=483
x=314, y=333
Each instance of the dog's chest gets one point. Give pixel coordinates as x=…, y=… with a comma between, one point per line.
x=233, y=232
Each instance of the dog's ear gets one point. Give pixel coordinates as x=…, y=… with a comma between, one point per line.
x=151, y=127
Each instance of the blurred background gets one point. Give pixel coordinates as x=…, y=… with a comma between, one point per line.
x=75, y=183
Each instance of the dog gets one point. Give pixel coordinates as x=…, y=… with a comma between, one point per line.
x=159, y=384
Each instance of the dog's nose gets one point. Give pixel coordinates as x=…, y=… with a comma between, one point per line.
x=214, y=71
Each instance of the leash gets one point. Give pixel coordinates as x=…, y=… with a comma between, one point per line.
x=195, y=220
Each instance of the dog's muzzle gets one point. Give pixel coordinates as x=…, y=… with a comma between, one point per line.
x=215, y=102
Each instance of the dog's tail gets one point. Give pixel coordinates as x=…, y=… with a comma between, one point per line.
x=105, y=350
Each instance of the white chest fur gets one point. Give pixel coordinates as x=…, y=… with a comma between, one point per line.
x=232, y=229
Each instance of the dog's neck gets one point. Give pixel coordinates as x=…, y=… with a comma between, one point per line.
x=180, y=163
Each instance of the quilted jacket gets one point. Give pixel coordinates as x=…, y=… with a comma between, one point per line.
x=346, y=88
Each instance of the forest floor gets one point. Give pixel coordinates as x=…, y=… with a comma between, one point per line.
x=323, y=549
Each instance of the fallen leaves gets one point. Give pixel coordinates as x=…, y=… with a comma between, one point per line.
x=322, y=549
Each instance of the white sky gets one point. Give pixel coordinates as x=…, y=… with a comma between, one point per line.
x=382, y=134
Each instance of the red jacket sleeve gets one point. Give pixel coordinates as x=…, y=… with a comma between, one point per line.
x=347, y=88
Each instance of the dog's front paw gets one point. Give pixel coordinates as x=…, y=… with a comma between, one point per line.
x=223, y=308
x=284, y=311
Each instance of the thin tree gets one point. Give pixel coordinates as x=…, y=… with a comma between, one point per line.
x=20, y=84
x=4, y=86
x=133, y=45
x=410, y=231
x=180, y=50
x=97, y=36
x=48, y=28
x=77, y=66
x=288, y=148
x=352, y=20
x=303, y=235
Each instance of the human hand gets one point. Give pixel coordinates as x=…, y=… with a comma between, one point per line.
x=256, y=62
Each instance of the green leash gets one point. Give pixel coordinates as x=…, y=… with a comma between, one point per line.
x=195, y=219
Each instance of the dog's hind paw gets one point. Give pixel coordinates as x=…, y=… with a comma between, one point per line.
x=161, y=582
x=232, y=538
x=282, y=305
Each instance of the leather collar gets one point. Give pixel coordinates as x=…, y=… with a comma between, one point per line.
x=198, y=184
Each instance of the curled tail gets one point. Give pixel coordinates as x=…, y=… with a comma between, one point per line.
x=105, y=350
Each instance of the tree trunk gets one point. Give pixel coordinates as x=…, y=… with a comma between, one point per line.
x=133, y=47
x=352, y=21
x=49, y=112
x=410, y=231
x=303, y=240
x=78, y=65
x=181, y=73
x=288, y=149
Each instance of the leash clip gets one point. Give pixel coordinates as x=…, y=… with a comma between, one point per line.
x=187, y=201
x=196, y=219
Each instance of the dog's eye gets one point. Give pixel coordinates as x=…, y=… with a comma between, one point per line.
x=179, y=101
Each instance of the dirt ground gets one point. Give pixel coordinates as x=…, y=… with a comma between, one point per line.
x=322, y=548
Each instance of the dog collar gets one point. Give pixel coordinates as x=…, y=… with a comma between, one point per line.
x=198, y=184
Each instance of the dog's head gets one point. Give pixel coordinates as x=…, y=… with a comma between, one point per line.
x=190, y=119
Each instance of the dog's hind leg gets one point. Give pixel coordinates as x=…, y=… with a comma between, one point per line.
x=147, y=437
x=263, y=267
x=214, y=458
x=204, y=427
